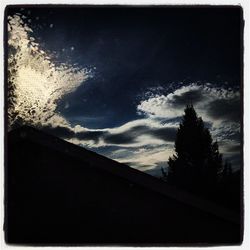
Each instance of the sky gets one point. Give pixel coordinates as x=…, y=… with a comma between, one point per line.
x=116, y=80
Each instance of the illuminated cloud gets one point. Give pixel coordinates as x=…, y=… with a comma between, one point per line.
x=210, y=102
x=37, y=82
x=144, y=158
x=133, y=134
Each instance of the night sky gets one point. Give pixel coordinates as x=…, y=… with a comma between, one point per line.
x=141, y=66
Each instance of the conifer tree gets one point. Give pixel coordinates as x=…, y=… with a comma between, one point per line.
x=197, y=161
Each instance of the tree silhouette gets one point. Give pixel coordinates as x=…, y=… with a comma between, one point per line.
x=197, y=161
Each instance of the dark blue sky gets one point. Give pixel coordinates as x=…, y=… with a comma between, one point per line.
x=136, y=48
x=138, y=54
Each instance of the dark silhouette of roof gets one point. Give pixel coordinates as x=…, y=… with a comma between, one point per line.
x=118, y=169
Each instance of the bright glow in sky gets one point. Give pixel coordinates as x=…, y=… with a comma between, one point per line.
x=38, y=83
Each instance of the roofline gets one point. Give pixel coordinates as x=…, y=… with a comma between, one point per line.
x=122, y=170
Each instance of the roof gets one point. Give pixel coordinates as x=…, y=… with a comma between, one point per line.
x=121, y=170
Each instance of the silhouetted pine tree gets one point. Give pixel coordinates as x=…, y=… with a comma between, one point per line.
x=197, y=162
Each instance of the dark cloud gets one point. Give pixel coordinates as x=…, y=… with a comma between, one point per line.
x=234, y=136
x=234, y=148
x=121, y=138
x=126, y=137
x=167, y=134
x=67, y=133
x=226, y=109
x=63, y=132
x=192, y=96
x=130, y=136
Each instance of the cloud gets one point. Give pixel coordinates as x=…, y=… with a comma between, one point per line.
x=144, y=158
x=139, y=152
x=126, y=136
x=172, y=104
x=120, y=138
x=226, y=109
x=60, y=131
x=67, y=132
x=210, y=102
x=192, y=96
x=231, y=152
x=140, y=132
x=131, y=134
x=219, y=108
x=38, y=84
x=234, y=148
x=147, y=143
x=226, y=131
x=90, y=135
x=142, y=144
x=167, y=134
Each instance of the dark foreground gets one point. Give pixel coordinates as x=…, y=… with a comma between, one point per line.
x=59, y=193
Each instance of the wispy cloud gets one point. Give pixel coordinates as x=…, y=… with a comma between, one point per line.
x=132, y=134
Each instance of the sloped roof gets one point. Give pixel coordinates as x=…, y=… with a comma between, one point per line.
x=118, y=169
